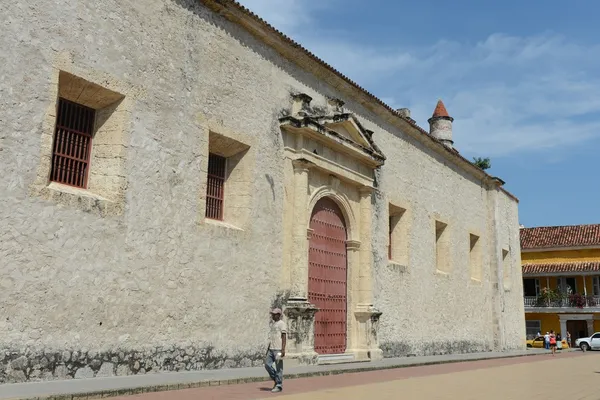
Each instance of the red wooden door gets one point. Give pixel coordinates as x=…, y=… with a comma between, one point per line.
x=327, y=276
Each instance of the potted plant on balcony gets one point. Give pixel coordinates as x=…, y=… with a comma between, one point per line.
x=577, y=300
x=550, y=298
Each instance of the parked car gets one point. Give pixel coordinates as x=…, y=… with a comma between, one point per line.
x=538, y=342
x=589, y=343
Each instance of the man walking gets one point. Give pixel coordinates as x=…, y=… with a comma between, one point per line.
x=276, y=350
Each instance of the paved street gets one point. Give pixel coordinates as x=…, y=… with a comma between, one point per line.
x=573, y=375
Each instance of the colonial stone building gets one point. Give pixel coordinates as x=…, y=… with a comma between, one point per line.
x=171, y=169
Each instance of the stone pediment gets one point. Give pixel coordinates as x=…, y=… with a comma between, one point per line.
x=347, y=126
x=333, y=127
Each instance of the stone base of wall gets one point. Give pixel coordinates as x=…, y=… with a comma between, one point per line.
x=404, y=349
x=301, y=358
x=31, y=365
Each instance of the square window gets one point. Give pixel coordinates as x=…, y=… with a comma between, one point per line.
x=228, y=181
x=398, y=240
x=83, y=144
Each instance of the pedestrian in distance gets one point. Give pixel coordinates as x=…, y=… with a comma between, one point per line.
x=553, y=342
x=569, y=339
x=276, y=349
x=547, y=341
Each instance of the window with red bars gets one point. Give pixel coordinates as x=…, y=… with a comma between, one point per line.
x=72, y=144
x=215, y=186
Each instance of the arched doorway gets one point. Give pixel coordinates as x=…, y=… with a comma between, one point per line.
x=327, y=276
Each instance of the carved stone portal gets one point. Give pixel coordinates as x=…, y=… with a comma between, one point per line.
x=331, y=155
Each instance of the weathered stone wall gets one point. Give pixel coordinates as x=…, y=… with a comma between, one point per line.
x=513, y=309
x=153, y=286
x=426, y=311
x=155, y=275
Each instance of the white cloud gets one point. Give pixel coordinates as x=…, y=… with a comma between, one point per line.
x=508, y=94
x=285, y=15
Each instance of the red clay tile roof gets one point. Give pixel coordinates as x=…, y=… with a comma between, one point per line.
x=440, y=110
x=560, y=236
x=221, y=6
x=561, y=268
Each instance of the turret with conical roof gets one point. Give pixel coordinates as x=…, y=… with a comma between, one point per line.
x=440, y=124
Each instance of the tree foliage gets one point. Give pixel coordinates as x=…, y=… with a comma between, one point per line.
x=483, y=163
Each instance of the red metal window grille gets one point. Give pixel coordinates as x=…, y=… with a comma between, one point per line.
x=215, y=186
x=72, y=144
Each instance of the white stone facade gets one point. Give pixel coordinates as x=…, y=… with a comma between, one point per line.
x=128, y=276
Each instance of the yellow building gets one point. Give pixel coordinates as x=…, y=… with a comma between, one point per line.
x=561, y=279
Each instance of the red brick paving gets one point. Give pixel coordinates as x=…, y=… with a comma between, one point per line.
x=253, y=391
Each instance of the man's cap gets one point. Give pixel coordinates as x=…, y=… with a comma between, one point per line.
x=276, y=311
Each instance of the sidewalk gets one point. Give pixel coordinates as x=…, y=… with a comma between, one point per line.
x=135, y=384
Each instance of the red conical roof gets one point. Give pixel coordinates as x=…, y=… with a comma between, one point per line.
x=440, y=110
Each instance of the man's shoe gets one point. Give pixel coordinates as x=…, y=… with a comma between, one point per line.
x=277, y=389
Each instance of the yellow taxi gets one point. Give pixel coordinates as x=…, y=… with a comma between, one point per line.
x=538, y=342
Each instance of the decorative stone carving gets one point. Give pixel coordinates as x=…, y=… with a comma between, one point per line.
x=301, y=104
x=336, y=126
x=301, y=321
x=336, y=105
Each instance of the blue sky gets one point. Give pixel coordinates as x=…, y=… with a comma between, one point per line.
x=519, y=78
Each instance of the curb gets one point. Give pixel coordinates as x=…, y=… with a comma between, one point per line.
x=225, y=382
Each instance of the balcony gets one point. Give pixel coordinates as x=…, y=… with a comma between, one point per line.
x=572, y=301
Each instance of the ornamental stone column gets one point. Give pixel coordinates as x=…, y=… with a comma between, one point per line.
x=367, y=316
x=354, y=296
x=299, y=259
x=365, y=286
x=299, y=312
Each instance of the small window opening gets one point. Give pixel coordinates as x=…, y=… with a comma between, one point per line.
x=72, y=144
x=215, y=189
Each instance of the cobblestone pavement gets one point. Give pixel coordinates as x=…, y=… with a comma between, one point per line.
x=573, y=375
